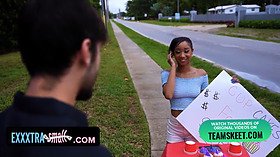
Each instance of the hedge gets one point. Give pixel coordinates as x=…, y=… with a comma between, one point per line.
x=262, y=24
x=184, y=20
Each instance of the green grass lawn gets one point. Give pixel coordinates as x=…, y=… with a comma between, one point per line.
x=251, y=33
x=163, y=23
x=158, y=52
x=13, y=77
x=115, y=106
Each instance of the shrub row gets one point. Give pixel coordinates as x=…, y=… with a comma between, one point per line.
x=264, y=24
x=185, y=20
x=228, y=23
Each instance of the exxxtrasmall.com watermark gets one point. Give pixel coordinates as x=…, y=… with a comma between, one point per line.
x=53, y=136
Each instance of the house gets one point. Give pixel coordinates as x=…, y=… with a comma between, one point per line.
x=272, y=9
x=231, y=9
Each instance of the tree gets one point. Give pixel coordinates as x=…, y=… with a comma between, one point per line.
x=168, y=5
x=156, y=7
x=167, y=11
x=95, y=4
x=163, y=6
x=155, y=10
x=8, y=24
x=138, y=8
x=185, y=5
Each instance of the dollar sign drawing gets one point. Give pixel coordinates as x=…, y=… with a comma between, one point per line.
x=204, y=106
x=206, y=93
x=216, y=96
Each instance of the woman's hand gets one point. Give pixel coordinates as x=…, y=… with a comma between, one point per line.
x=170, y=60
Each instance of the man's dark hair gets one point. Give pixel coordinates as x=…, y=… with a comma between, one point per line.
x=177, y=41
x=52, y=31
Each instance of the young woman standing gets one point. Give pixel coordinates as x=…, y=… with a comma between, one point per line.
x=181, y=85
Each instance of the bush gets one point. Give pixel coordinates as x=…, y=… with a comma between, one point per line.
x=261, y=24
x=164, y=20
x=183, y=20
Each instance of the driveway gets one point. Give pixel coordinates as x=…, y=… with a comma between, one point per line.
x=203, y=28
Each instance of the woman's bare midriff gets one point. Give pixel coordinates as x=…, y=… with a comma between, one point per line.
x=175, y=113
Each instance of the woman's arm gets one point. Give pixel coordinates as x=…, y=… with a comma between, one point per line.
x=168, y=87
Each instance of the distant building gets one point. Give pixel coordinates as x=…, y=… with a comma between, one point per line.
x=121, y=15
x=272, y=9
x=231, y=9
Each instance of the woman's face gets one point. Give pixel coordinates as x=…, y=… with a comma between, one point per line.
x=183, y=53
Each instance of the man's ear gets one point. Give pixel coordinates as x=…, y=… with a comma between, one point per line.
x=85, y=54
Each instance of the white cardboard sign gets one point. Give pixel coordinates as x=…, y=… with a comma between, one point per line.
x=225, y=100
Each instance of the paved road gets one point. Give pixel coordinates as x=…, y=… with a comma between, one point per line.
x=253, y=60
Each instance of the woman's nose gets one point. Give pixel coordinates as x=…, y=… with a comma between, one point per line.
x=182, y=54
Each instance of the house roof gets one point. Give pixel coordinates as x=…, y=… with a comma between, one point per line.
x=251, y=6
x=272, y=6
x=231, y=6
x=221, y=7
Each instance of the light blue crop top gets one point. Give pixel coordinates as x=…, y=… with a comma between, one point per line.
x=186, y=89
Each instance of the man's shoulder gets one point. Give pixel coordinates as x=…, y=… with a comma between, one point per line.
x=3, y=115
x=56, y=151
x=104, y=151
x=88, y=151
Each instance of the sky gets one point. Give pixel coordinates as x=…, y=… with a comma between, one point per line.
x=115, y=5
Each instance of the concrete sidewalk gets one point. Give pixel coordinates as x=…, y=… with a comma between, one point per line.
x=146, y=77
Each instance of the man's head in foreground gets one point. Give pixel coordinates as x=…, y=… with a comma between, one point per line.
x=60, y=42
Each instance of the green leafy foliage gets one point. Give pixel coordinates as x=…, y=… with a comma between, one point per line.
x=8, y=24
x=138, y=8
x=261, y=24
x=9, y=12
x=183, y=20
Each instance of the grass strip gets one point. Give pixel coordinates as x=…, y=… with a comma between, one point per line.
x=166, y=23
x=158, y=52
x=13, y=77
x=114, y=107
x=169, y=23
x=272, y=35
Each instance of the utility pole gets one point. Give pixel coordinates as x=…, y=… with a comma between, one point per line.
x=105, y=11
x=102, y=9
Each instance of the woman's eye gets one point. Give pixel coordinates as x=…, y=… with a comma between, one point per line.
x=177, y=52
x=187, y=51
